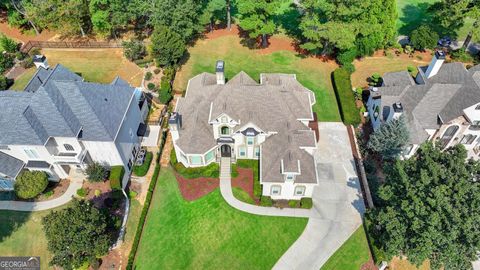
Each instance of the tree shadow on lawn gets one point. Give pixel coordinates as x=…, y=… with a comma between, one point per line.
x=422, y=13
x=11, y=221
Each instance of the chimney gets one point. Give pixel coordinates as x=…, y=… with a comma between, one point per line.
x=219, y=69
x=435, y=65
x=175, y=124
x=40, y=61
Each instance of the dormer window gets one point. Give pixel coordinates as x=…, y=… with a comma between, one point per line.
x=68, y=147
x=250, y=140
x=225, y=130
x=224, y=119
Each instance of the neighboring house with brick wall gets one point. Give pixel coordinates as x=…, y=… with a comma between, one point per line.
x=60, y=122
x=243, y=119
x=441, y=104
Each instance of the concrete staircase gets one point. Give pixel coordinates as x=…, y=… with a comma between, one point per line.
x=225, y=168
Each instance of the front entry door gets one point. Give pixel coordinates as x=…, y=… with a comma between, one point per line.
x=226, y=150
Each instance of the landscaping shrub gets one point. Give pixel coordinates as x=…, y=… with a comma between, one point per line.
x=143, y=62
x=293, y=203
x=266, y=201
x=210, y=171
x=378, y=254
x=411, y=69
x=96, y=172
x=132, y=194
x=6, y=62
x=156, y=71
x=34, y=51
x=27, y=63
x=143, y=169
x=30, y=183
x=48, y=194
x=148, y=199
x=164, y=96
x=97, y=192
x=148, y=76
x=346, y=58
x=462, y=55
x=20, y=55
x=134, y=49
x=375, y=79
x=345, y=97
x=151, y=86
x=82, y=192
x=5, y=82
x=306, y=203
x=116, y=177
x=169, y=73
x=234, y=170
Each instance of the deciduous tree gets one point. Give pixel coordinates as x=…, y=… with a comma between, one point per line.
x=77, y=234
x=423, y=38
x=431, y=208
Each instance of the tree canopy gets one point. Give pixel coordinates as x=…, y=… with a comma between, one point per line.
x=256, y=17
x=167, y=46
x=431, y=208
x=77, y=234
x=30, y=183
x=423, y=38
x=391, y=138
x=329, y=25
x=96, y=172
x=451, y=15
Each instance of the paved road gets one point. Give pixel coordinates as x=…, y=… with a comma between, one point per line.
x=45, y=205
x=338, y=204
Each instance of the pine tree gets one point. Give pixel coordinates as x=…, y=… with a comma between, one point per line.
x=391, y=138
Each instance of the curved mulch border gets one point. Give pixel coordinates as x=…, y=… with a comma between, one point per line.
x=193, y=189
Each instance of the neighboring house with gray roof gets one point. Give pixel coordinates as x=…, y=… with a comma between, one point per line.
x=243, y=119
x=60, y=122
x=442, y=104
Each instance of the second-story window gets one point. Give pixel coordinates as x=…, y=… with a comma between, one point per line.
x=68, y=147
x=250, y=140
x=225, y=131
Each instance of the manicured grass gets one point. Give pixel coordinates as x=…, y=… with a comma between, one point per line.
x=209, y=234
x=311, y=72
x=22, y=81
x=381, y=64
x=241, y=195
x=132, y=223
x=21, y=234
x=252, y=164
x=351, y=255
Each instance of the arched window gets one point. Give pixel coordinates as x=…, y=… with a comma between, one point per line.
x=448, y=135
x=225, y=130
x=68, y=147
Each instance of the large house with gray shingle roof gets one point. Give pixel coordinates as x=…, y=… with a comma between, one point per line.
x=243, y=119
x=61, y=122
x=442, y=104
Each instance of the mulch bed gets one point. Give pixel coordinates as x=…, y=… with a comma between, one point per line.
x=193, y=189
x=58, y=190
x=370, y=265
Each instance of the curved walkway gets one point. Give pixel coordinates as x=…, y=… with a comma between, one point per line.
x=45, y=205
x=338, y=206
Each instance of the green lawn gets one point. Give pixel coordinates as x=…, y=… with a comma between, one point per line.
x=412, y=13
x=21, y=234
x=351, y=255
x=22, y=81
x=311, y=72
x=209, y=234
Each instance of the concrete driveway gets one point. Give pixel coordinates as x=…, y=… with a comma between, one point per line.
x=338, y=200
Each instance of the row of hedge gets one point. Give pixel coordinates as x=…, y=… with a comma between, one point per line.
x=210, y=171
x=143, y=169
x=345, y=96
x=146, y=206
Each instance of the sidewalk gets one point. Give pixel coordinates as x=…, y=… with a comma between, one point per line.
x=45, y=205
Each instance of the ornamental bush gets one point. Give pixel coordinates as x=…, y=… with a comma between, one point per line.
x=345, y=97
x=306, y=203
x=29, y=184
x=148, y=76
x=96, y=172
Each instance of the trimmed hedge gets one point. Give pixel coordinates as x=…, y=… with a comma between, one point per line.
x=116, y=176
x=210, y=171
x=294, y=203
x=143, y=169
x=378, y=254
x=306, y=203
x=146, y=206
x=266, y=201
x=82, y=192
x=345, y=96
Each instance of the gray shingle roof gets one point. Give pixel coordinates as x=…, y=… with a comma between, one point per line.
x=60, y=106
x=274, y=106
x=9, y=165
x=446, y=95
x=400, y=78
